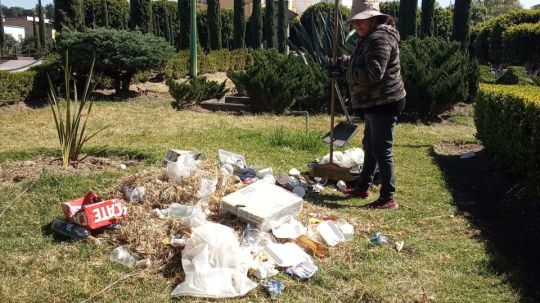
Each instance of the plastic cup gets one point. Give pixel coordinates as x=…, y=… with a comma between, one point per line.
x=299, y=191
x=122, y=256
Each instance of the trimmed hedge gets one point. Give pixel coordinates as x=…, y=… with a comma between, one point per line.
x=516, y=75
x=507, y=119
x=15, y=87
x=521, y=43
x=488, y=36
x=215, y=61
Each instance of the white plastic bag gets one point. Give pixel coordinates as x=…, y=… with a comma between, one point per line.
x=350, y=158
x=182, y=167
x=214, y=264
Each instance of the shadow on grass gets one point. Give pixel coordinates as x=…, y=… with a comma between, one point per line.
x=499, y=206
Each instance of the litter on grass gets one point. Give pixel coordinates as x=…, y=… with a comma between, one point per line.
x=217, y=228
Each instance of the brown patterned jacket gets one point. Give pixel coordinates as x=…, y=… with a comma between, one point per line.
x=374, y=72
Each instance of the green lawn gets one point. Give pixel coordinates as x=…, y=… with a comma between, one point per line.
x=444, y=259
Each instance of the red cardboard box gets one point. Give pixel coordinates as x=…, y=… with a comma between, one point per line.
x=93, y=213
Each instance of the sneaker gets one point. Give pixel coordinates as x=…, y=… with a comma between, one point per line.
x=383, y=204
x=356, y=192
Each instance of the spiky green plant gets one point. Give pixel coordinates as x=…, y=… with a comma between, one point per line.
x=68, y=116
x=319, y=43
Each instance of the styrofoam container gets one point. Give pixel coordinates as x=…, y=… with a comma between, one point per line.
x=262, y=204
x=330, y=232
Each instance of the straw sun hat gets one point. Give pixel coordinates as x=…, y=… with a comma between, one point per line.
x=364, y=9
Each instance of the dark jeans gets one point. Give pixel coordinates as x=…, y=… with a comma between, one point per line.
x=378, y=141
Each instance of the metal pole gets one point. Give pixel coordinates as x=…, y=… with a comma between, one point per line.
x=193, y=39
x=333, y=100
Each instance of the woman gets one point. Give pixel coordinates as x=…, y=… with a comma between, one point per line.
x=377, y=92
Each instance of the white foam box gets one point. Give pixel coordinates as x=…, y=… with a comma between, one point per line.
x=262, y=204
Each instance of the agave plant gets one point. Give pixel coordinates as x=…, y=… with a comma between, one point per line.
x=319, y=43
x=68, y=116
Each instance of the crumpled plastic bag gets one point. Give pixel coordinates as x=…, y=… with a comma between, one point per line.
x=353, y=157
x=207, y=187
x=181, y=168
x=215, y=265
x=196, y=218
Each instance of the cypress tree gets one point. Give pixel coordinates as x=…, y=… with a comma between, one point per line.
x=42, y=29
x=461, y=22
x=35, y=32
x=407, y=18
x=106, y=12
x=214, y=24
x=83, y=19
x=67, y=13
x=183, y=22
x=239, y=24
x=256, y=25
x=269, y=24
x=2, y=39
x=141, y=15
x=93, y=15
x=281, y=27
x=427, y=27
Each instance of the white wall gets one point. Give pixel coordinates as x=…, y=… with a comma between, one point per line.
x=15, y=31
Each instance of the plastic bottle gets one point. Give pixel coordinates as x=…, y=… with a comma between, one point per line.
x=122, y=256
x=70, y=230
x=180, y=210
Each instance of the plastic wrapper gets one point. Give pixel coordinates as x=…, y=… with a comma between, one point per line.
x=214, y=264
x=304, y=270
x=273, y=287
x=254, y=239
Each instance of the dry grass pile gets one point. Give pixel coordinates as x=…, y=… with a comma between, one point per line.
x=146, y=235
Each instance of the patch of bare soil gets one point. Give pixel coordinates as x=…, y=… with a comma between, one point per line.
x=456, y=148
x=12, y=172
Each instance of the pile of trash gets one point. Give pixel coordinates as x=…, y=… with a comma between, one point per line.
x=219, y=226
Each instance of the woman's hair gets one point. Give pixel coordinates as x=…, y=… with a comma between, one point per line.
x=385, y=19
